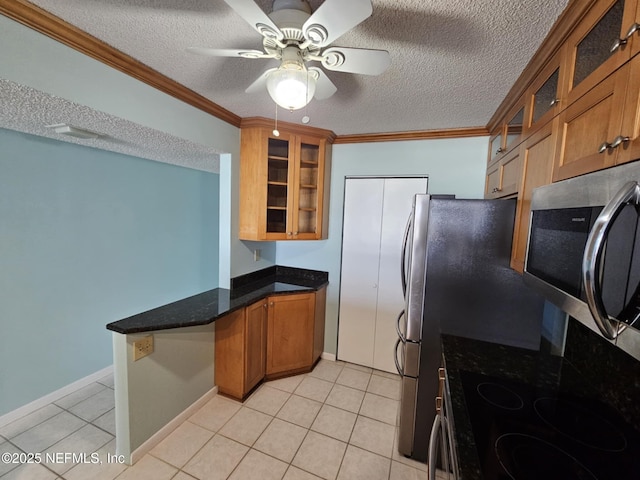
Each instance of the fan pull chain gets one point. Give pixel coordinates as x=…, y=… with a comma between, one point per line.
x=276, y=132
x=305, y=119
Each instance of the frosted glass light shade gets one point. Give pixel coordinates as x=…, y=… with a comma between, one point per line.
x=288, y=87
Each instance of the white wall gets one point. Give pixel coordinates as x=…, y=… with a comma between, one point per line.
x=453, y=165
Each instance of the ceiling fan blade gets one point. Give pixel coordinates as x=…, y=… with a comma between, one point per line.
x=260, y=84
x=334, y=18
x=324, y=86
x=356, y=60
x=256, y=17
x=228, y=52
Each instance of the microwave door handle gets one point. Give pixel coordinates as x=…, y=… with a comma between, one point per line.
x=629, y=193
x=403, y=257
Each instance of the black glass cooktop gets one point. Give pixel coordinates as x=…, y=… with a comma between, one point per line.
x=524, y=432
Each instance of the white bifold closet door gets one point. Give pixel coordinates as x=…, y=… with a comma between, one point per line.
x=375, y=215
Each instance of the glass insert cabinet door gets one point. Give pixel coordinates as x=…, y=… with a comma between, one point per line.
x=279, y=171
x=307, y=200
x=603, y=41
x=294, y=190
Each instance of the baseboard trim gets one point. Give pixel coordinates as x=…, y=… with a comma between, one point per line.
x=53, y=396
x=328, y=356
x=178, y=420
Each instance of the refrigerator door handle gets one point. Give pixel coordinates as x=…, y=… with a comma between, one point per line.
x=401, y=336
x=395, y=357
x=403, y=256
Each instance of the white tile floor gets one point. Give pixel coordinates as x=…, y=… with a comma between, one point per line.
x=337, y=422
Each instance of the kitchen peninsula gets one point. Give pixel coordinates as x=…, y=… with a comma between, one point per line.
x=184, y=369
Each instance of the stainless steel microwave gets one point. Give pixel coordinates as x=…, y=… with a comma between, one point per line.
x=583, y=252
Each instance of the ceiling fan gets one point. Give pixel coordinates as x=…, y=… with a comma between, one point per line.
x=295, y=36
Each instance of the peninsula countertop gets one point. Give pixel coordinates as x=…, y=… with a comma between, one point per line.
x=206, y=307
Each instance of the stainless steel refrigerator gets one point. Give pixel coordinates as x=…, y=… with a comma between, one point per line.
x=457, y=280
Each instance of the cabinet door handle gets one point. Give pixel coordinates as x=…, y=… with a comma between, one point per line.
x=554, y=102
x=604, y=147
x=617, y=44
x=496, y=190
x=619, y=140
x=623, y=41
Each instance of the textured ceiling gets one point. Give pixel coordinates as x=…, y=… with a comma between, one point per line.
x=453, y=61
x=27, y=110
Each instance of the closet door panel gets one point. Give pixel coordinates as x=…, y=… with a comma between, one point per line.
x=362, y=228
x=396, y=207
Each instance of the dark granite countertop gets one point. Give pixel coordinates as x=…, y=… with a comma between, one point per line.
x=575, y=374
x=206, y=307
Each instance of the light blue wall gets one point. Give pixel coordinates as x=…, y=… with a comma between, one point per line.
x=30, y=58
x=88, y=237
x=453, y=165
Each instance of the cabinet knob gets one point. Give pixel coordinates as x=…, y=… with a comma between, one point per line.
x=264, y=305
x=496, y=190
x=295, y=234
x=500, y=150
x=271, y=304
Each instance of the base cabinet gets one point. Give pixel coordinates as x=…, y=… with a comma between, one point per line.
x=274, y=337
x=240, y=353
x=290, y=330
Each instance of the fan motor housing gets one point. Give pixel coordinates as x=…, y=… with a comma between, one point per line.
x=289, y=16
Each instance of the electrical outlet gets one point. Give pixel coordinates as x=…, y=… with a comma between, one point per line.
x=142, y=347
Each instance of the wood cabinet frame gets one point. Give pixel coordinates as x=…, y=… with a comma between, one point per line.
x=254, y=171
x=582, y=29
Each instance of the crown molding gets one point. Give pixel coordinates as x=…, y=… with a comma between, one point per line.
x=413, y=135
x=54, y=27
x=295, y=128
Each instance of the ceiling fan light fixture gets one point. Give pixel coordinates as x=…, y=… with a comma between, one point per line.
x=291, y=88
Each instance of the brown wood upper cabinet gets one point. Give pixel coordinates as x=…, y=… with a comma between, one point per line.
x=600, y=43
x=503, y=176
x=283, y=192
x=536, y=154
x=544, y=96
x=589, y=127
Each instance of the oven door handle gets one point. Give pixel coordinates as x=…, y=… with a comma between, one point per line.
x=592, y=259
x=403, y=256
